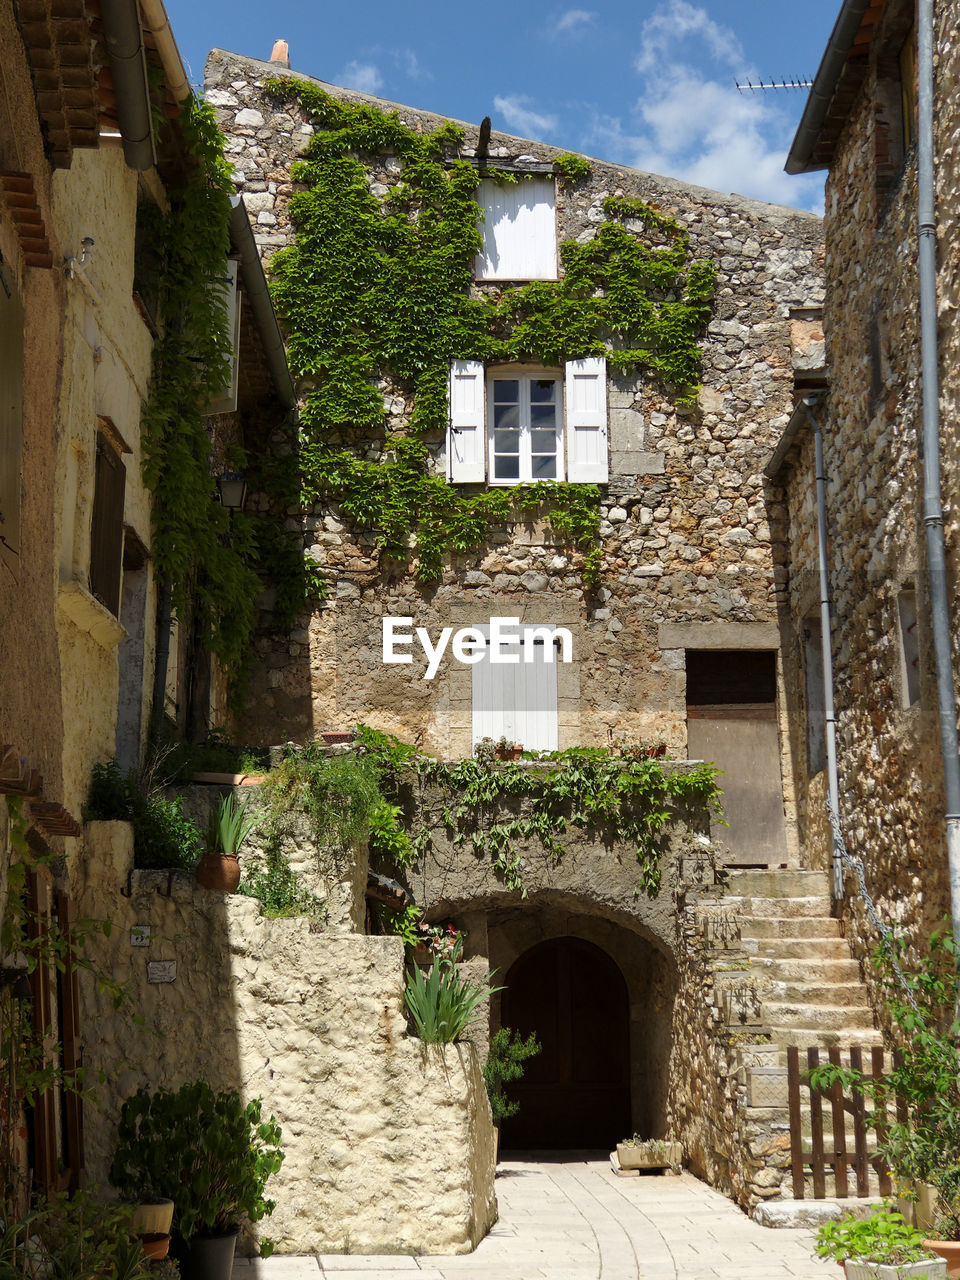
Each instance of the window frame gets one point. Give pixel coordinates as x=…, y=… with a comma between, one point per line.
x=106, y=520
x=529, y=375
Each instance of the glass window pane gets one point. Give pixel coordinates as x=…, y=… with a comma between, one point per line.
x=543, y=415
x=506, y=391
x=544, y=468
x=543, y=441
x=506, y=415
x=506, y=467
x=506, y=441
x=543, y=391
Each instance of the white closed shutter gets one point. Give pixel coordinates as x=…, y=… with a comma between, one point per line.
x=587, y=454
x=465, y=451
x=226, y=400
x=519, y=230
x=518, y=700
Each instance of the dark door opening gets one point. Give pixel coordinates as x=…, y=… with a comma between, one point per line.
x=576, y=1091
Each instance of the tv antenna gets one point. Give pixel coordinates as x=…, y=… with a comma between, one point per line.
x=765, y=86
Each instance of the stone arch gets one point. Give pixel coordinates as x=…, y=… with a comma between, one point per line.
x=502, y=928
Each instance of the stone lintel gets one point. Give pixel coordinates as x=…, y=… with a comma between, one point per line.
x=718, y=635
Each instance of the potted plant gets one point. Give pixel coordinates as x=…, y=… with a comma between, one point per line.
x=211, y=1153
x=504, y=749
x=649, y=1153
x=881, y=1247
x=227, y=828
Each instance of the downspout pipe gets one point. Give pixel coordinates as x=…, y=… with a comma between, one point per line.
x=128, y=66
x=932, y=501
x=829, y=706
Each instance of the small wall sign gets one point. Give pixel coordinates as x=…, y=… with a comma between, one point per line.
x=162, y=971
x=139, y=935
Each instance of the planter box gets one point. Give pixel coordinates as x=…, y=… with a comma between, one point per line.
x=631, y=1157
x=922, y=1211
x=933, y=1269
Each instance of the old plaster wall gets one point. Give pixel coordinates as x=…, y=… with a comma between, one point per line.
x=889, y=755
x=388, y=1143
x=687, y=524
x=30, y=713
x=106, y=368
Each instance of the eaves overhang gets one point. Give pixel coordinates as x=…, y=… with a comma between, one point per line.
x=836, y=85
x=258, y=296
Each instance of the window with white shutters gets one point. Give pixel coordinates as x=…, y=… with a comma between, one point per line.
x=519, y=425
x=518, y=700
x=519, y=230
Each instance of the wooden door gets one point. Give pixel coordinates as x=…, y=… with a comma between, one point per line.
x=576, y=1091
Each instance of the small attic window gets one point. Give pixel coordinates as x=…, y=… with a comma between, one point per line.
x=519, y=230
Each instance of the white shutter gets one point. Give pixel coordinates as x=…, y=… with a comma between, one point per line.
x=519, y=700
x=519, y=230
x=586, y=418
x=226, y=401
x=465, y=451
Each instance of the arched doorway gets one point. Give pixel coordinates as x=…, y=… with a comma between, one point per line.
x=576, y=1091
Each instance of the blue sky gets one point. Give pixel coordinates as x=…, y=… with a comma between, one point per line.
x=650, y=84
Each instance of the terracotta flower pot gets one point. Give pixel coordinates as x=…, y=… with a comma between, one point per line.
x=508, y=753
x=337, y=737
x=949, y=1250
x=155, y=1246
x=219, y=871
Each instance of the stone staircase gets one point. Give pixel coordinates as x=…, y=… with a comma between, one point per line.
x=809, y=987
x=783, y=975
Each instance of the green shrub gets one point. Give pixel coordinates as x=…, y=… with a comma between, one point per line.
x=505, y=1058
x=208, y=1152
x=281, y=892
x=164, y=837
x=883, y=1237
x=72, y=1238
x=443, y=1003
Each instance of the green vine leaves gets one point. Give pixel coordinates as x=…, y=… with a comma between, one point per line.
x=378, y=292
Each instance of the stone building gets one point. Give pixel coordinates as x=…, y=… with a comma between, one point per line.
x=79, y=163
x=673, y=634
x=677, y=638
x=861, y=127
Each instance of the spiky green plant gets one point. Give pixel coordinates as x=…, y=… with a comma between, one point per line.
x=228, y=826
x=443, y=1003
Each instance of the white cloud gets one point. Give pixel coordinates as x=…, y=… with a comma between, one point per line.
x=516, y=109
x=573, y=19
x=362, y=76
x=409, y=64
x=698, y=127
x=676, y=21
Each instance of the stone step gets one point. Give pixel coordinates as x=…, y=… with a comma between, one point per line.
x=805, y=1037
x=760, y=905
x=779, y=884
x=846, y=1023
x=809, y=969
x=815, y=994
x=810, y=926
x=780, y=949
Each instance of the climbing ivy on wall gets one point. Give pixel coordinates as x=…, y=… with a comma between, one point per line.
x=206, y=556
x=377, y=287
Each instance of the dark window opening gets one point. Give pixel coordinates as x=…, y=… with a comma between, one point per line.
x=106, y=531
x=723, y=677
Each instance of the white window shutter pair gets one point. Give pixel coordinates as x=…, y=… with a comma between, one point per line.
x=586, y=422
x=226, y=401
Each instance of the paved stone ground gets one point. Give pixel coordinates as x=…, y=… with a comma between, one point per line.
x=576, y=1220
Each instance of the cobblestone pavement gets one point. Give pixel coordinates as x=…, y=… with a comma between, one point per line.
x=576, y=1220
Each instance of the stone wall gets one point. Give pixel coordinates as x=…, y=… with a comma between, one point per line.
x=389, y=1146
x=889, y=752
x=687, y=526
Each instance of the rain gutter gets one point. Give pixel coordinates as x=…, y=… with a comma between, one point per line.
x=824, y=87
x=128, y=67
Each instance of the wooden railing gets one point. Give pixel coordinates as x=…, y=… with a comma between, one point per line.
x=838, y=1155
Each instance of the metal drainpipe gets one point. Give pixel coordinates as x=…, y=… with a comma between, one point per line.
x=161, y=659
x=125, y=51
x=932, y=504
x=829, y=709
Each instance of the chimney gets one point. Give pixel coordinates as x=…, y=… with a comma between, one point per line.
x=281, y=54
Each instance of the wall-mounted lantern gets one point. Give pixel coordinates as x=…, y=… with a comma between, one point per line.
x=233, y=489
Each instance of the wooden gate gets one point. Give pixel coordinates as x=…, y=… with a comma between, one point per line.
x=845, y=1152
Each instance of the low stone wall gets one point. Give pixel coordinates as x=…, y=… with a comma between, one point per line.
x=389, y=1145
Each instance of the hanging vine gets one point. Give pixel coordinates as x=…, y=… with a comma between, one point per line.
x=384, y=286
